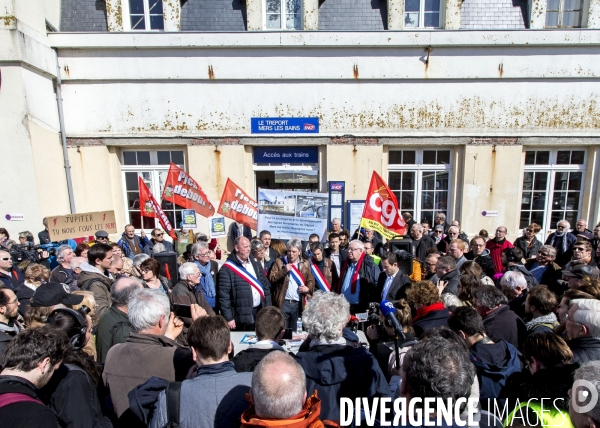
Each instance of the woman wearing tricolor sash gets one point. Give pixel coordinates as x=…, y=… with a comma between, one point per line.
x=292, y=282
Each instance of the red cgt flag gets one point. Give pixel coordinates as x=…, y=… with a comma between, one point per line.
x=381, y=210
x=182, y=190
x=237, y=205
x=150, y=208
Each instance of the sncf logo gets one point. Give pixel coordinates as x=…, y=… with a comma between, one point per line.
x=309, y=127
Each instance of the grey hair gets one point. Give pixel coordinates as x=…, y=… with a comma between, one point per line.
x=417, y=226
x=441, y=215
x=199, y=246
x=59, y=252
x=453, y=229
x=159, y=247
x=514, y=280
x=278, y=386
x=294, y=242
x=146, y=307
x=314, y=246
x=139, y=259
x=336, y=220
x=325, y=316
x=568, y=225
x=77, y=261
x=588, y=314
x=360, y=244
x=187, y=269
x=590, y=372
x=488, y=297
x=549, y=249
x=256, y=245
x=123, y=289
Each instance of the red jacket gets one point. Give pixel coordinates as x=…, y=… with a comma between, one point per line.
x=307, y=418
x=495, y=252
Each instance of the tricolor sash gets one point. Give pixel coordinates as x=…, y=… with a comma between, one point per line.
x=246, y=276
x=319, y=278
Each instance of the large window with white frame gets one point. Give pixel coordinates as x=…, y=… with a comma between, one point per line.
x=144, y=15
x=420, y=179
x=422, y=14
x=563, y=13
x=153, y=167
x=283, y=15
x=552, y=186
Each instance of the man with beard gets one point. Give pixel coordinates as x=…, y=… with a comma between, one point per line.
x=562, y=240
x=420, y=243
x=9, y=311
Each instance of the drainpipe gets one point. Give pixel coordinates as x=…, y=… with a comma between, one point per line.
x=63, y=136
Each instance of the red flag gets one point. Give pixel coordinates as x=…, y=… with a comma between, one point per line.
x=150, y=208
x=237, y=205
x=182, y=190
x=381, y=210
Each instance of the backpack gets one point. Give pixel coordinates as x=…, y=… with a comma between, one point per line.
x=143, y=398
x=173, y=393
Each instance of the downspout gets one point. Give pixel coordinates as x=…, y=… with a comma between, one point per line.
x=63, y=136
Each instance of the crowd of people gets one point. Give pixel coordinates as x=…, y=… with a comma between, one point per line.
x=97, y=335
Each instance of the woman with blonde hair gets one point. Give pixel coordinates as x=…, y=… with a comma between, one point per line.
x=35, y=275
x=90, y=302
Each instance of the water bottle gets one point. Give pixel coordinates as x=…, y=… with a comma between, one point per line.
x=299, y=325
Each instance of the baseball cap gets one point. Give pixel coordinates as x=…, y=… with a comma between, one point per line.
x=54, y=293
x=581, y=271
x=101, y=234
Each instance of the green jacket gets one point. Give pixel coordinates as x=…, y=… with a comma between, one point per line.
x=113, y=328
x=531, y=413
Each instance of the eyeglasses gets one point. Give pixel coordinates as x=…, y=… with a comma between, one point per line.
x=528, y=230
x=430, y=264
x=5, y=258
x=159, y=234
x=543, y=254
x=569, y=319
x=560, y=227
x=578, y=249
x=14, y=301
x=354, y=249
x=500, y=231
x=144, y=270
x=203, y=254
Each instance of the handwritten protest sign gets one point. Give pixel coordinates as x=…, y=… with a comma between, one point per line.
x=77, y=225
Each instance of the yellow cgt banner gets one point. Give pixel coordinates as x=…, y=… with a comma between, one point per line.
x=80, y=225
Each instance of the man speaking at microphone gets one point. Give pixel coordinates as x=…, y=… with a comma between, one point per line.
x=292, y=282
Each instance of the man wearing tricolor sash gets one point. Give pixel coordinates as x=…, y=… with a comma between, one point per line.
x=292, y=282
x=358, y=278
x=243, y=287
x=322, y=269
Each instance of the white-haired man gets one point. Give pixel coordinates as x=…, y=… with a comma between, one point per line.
x=208, y=274
x=278, y=394
x=292, y=282
x=584, y=413
x=185, y=291
x=150, y=350
x=562, y=240
x=332, y=368
x=583, y=327
x=358, y=278
x=514, y=287
x=63, y=272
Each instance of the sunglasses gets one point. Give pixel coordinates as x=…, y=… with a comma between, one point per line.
x=5, y=258
x=529, y=230
x=159, y=234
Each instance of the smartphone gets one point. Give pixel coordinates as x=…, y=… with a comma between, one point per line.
x=288, y=334
x=182, y=311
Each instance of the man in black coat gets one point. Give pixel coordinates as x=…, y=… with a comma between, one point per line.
x=445, y=269
x=362, y=289
x=270, y=254
x=43, y=349
x=9, y=311
x=238, y=229
x=420, y=243
x=392, y=282
x=499, y=321
x=583, y=327
x=239, y=301
x=480, y=255
x=336, y=255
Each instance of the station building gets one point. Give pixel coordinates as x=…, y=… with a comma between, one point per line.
x=486, y=110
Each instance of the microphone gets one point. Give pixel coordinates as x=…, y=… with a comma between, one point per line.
x=388, y=310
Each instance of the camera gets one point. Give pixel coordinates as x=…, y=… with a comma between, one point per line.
x=374, y=319
x=30, y=252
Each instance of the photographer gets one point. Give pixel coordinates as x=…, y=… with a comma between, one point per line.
x=381, y=339
x=5, y=240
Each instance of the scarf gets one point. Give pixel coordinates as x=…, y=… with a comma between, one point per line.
x=355, y=276
x=427, y=309
x=544, y=319
x=133, y=244
x=208, y=284
x=562, y=235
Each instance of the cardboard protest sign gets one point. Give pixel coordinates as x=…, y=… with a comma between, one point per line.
x=182, y=190
x=77, y=225
x=237, y=205
x=381, y=210
x=150, y=208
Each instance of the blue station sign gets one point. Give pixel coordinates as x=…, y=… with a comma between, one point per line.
x=279, y=154
x=284, y=125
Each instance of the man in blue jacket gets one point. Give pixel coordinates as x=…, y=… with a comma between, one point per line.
x=131, y=244
x=494, y=361
x=335, y=369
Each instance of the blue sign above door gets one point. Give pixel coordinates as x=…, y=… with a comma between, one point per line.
x=284, y=125
x=279, y=154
